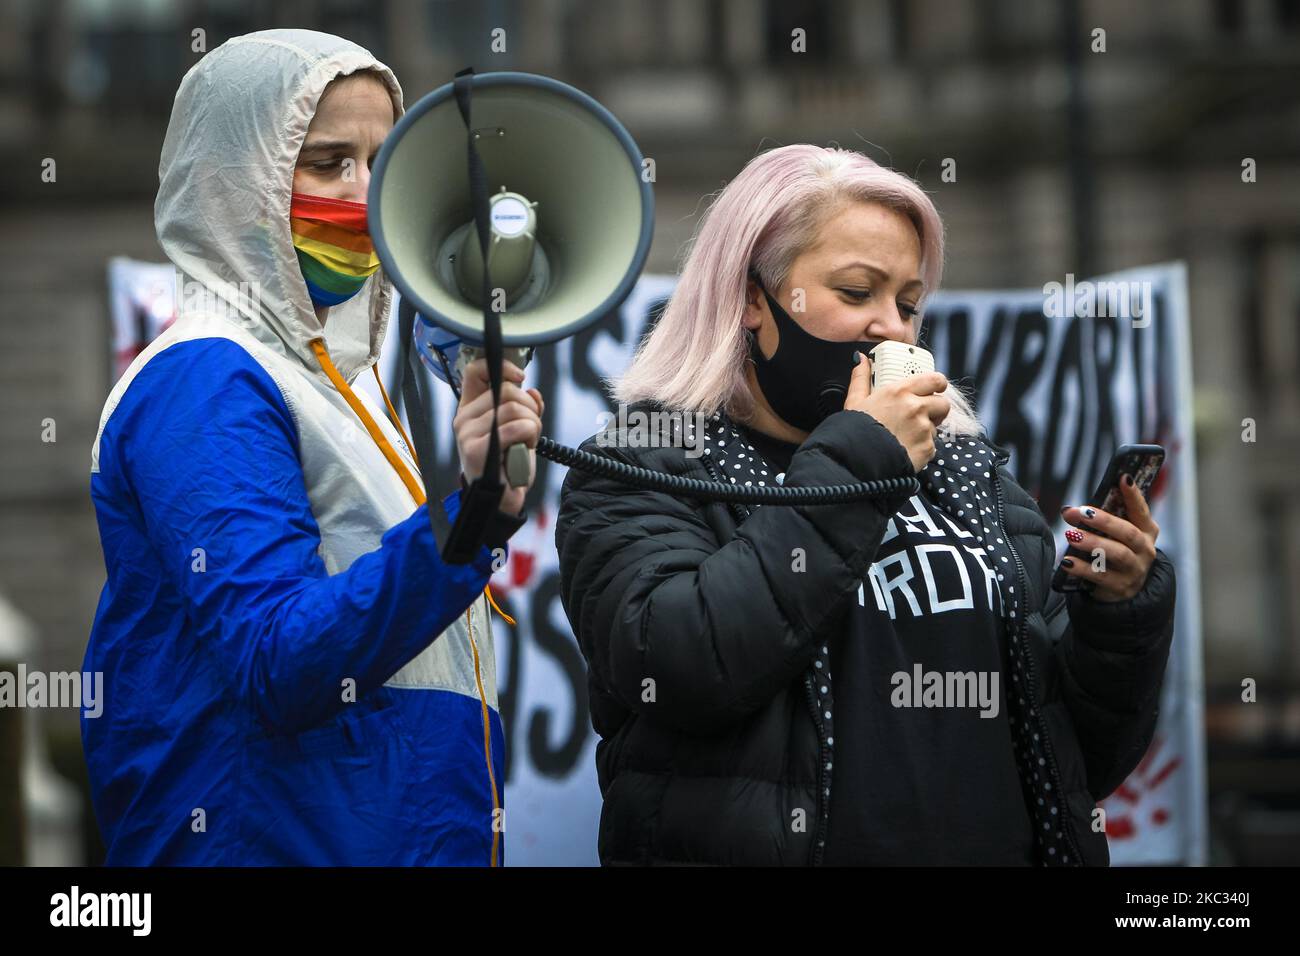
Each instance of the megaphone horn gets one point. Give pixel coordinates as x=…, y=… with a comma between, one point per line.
x=571, y=216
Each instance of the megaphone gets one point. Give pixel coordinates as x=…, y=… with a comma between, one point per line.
x=571, y=213
x=570, y=219
x=509, y=225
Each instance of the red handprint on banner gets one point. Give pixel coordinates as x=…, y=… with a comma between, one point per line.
x=522, y=564
x=1135, y=802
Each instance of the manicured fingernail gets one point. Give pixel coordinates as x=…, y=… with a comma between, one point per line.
x=1128, y=480
x=857, y=358
x=1074, y=535
x=1089, y=513
x=1068, y=562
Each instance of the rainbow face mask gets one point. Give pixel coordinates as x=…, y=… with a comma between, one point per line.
x=332, y=240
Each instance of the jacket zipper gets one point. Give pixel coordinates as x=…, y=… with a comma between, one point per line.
x=823, y=798
x=1031, y=673
x=823, y=802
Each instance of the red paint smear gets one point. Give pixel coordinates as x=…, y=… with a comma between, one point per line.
x=1159, y=816
x=521, y=567
x=1120, y=828
x=1165, y=772
x=1150, y=755
x=1124, y=793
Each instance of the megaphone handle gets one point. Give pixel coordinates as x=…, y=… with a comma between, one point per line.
x=517, y=465
x=516, y=457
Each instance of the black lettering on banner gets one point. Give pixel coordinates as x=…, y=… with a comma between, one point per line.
x=990, y=353
x=581, y=371
x=547, y=379
x=1105, y=352
x=654, y=311
x=956, y=344
x=1014, y=429
x=1054, y=484
x=562, y=646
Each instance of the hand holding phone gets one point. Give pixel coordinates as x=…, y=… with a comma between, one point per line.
x=1142, y=464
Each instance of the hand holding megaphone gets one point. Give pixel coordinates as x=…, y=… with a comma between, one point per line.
x=519, y=421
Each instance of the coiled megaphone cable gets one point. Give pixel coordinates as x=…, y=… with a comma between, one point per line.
x=651, y=480
x=420, y=410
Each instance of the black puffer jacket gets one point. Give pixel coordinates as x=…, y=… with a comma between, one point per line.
x=699, y=639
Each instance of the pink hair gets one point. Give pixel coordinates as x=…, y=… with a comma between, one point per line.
x=694, y=359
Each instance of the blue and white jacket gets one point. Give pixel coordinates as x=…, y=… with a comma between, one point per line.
x=292, y=675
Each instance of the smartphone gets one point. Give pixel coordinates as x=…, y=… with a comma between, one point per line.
x=1143, y=463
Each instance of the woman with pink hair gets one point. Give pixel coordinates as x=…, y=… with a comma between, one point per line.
x=886, y=681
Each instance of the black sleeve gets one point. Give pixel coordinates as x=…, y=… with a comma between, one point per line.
x=500, y=526
x=675, y=625
x=1111, y=657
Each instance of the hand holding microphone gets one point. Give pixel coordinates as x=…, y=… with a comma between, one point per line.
x=911, y=408
x=519, y=420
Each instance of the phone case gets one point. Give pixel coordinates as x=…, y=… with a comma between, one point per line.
x=1143, y=462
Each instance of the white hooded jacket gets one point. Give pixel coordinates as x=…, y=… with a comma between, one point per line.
x=318, y=674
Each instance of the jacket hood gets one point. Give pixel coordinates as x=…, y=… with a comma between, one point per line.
x=224, y=185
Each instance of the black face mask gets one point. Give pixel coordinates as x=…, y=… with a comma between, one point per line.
x=807, y=378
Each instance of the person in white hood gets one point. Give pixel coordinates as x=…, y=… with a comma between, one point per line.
x=292, y=674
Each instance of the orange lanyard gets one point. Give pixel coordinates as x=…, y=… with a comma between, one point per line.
x=417, y=492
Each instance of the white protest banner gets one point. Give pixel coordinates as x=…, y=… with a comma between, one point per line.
x=1063, y=375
